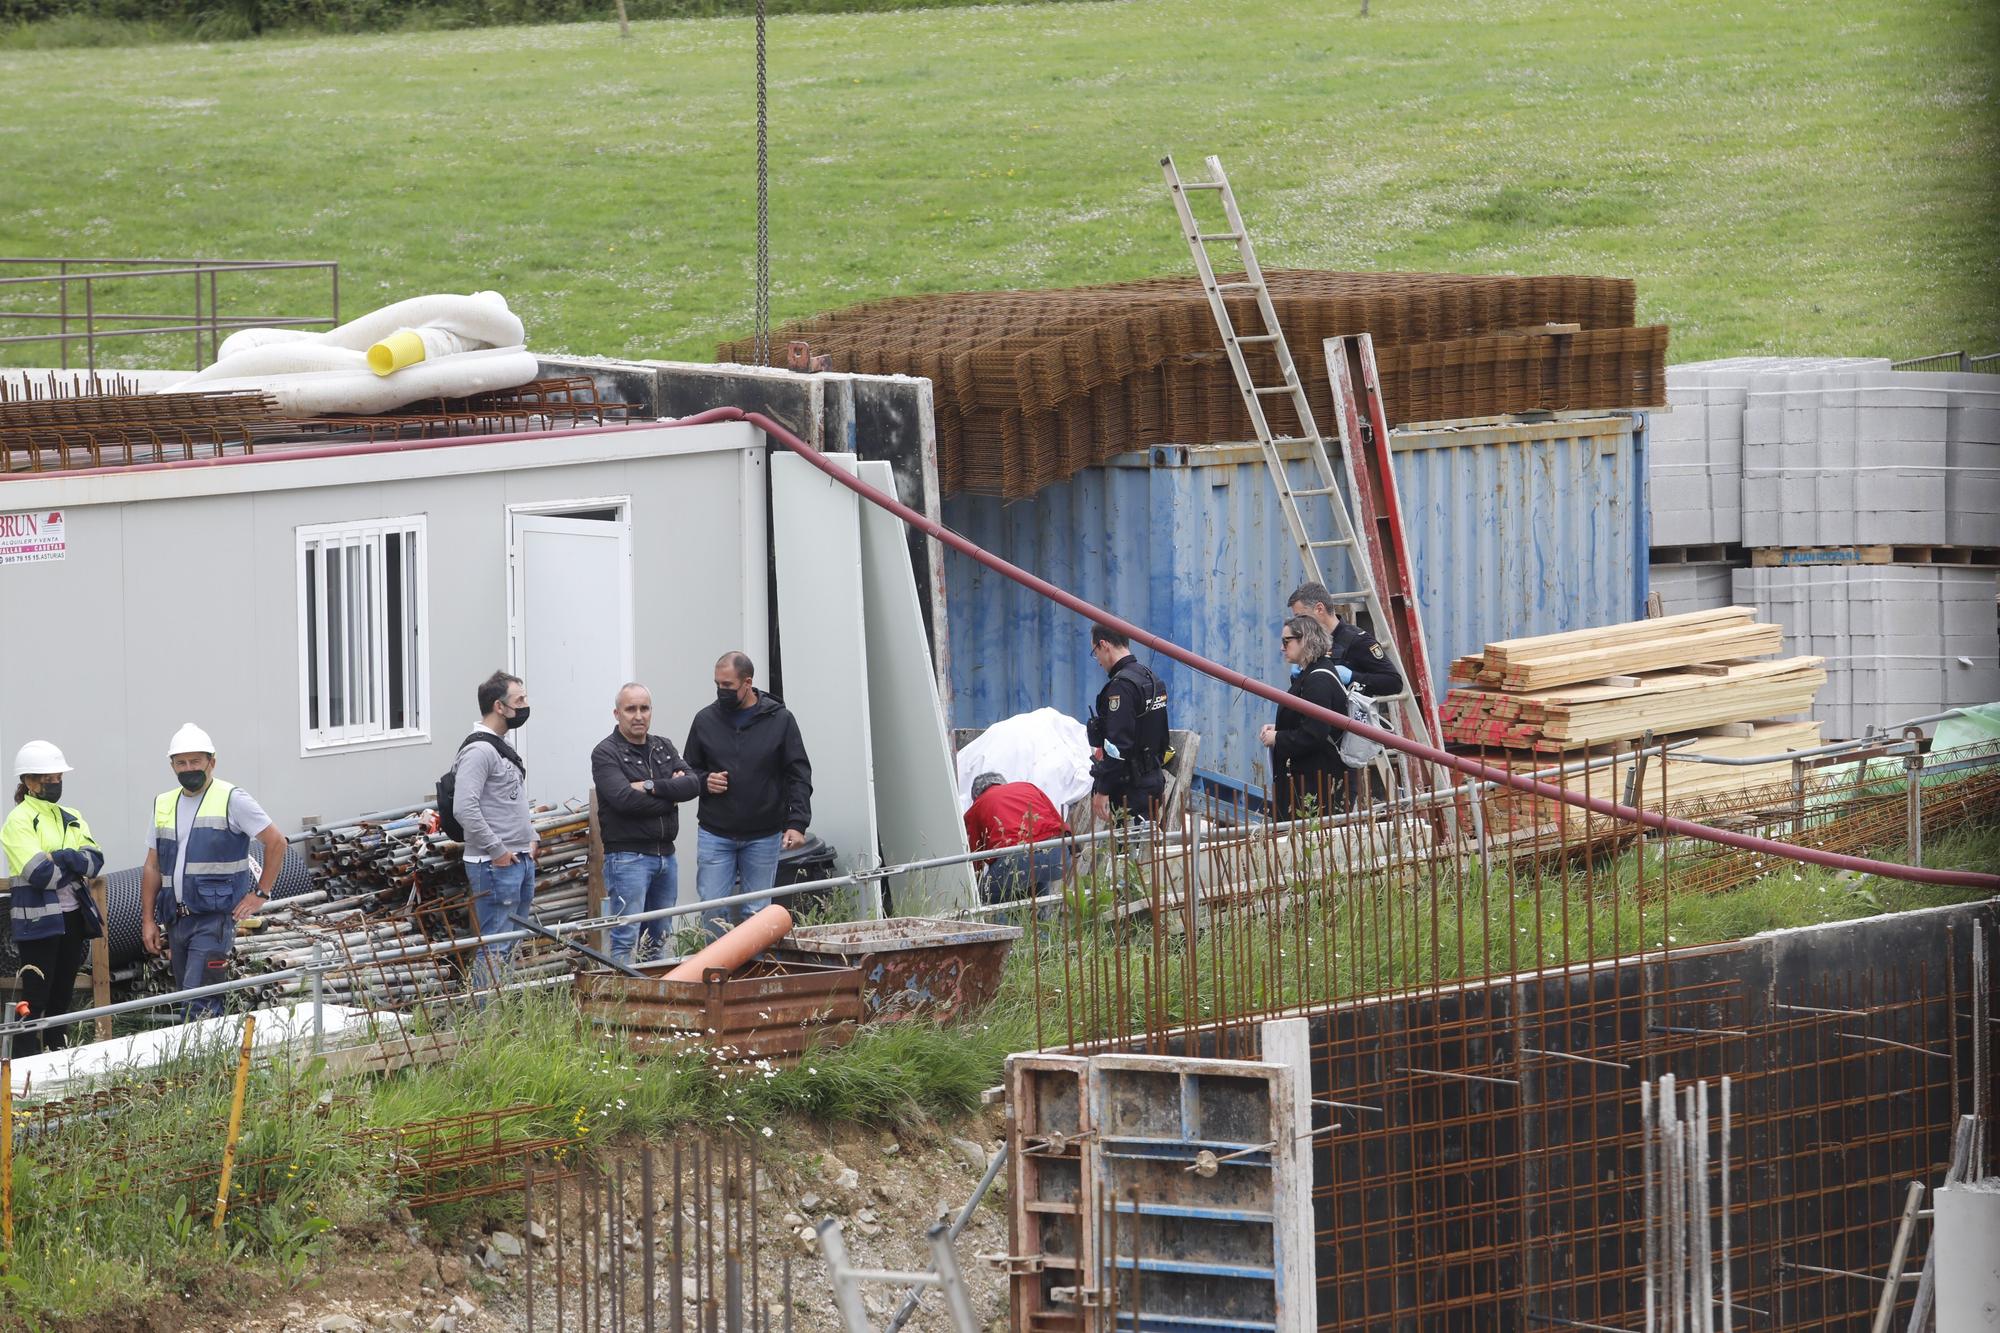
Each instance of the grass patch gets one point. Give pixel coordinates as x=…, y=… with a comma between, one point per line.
x=104, y=1227
x=1778, y=178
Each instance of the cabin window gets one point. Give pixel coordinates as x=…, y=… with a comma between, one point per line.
x=364, y=673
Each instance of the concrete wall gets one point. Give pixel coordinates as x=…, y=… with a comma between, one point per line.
x=117, y=671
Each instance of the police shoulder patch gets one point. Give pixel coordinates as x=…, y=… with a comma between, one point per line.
x=1112, y=705
x=1375, y=648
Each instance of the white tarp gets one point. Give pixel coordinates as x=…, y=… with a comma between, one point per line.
x=1046, y=747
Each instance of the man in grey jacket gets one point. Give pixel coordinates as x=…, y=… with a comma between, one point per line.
x=490, y=802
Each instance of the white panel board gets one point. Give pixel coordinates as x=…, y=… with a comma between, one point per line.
x=916, y=786
x=817, y=538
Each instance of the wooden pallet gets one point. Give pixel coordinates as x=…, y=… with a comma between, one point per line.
x=1712, y=553
x=1774, y=557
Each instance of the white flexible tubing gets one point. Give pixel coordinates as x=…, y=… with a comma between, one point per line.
x=244, y=339
x=362, y=391
x=482, y=317
x=286, y=358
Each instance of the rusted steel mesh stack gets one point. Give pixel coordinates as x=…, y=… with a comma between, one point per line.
x=1033, y=386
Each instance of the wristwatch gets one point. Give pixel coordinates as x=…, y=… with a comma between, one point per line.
x=649, y=787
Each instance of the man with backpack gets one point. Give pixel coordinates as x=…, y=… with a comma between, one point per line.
x=489, y=802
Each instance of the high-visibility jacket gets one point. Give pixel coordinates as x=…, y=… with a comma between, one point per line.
x=218, y=870
x=34, y=830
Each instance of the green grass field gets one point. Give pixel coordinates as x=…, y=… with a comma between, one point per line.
x=1779, y=177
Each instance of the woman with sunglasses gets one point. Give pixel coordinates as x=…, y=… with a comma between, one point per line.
x=1307, y=775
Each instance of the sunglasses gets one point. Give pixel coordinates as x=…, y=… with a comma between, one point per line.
x=1289, y=638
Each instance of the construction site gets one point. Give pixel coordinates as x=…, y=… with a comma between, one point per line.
x=1633, y=971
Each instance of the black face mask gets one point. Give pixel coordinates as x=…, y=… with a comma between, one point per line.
x=192, y=779
x=725, y=697
x=51, y=790
x=520, y=718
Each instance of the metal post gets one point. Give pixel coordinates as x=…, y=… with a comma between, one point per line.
x=955, y=1298
x=1913, y=783
x=846, y=1292
x=7, y=1126
x=235, y=1124
x=1798, y=799
x=319, y=1016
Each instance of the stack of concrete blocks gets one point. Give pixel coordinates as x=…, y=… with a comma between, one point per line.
x=1695, y=454
x=1900, y=641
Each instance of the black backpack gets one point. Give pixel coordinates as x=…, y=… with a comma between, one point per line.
x=447, y=784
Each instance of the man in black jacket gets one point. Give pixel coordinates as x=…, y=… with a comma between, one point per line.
x=1360, y=660
x=756, y=798
x=1127, y=732
x=640, y=780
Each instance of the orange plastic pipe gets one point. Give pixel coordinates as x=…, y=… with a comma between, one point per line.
x=742, y=943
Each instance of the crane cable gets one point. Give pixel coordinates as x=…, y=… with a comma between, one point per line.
x=763, y=316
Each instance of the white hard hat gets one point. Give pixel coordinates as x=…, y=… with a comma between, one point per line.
x=40, y=757
x=190, y=739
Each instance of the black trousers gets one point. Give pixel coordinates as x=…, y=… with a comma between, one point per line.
x=48, y=981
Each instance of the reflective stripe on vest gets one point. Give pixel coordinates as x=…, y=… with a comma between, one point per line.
x=218, y=860
x=34, y=829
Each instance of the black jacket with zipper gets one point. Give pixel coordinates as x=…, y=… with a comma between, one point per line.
x=1305, y=755
x=630, y=820
x=770, y=778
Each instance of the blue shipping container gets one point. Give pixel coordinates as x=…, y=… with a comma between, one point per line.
x=1515, y=530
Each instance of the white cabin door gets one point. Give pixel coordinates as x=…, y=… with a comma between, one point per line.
x=570, y=602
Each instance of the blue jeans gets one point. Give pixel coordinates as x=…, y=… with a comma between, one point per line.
x=721, y=862
x=1021, y=872
x=198, y=948
x=498, y=892
x=636, y=882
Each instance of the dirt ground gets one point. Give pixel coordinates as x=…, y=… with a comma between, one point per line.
x=885, y=1188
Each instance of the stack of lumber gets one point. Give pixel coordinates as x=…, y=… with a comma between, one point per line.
x=1688, y=699
x=1675, y=783
x=1618, y=650
x=1558, y=700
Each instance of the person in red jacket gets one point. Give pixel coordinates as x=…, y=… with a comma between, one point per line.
x=1018, y=815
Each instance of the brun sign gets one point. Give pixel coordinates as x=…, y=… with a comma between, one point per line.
x=31, y=538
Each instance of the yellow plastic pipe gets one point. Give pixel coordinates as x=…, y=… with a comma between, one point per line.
x=405, y=347
x=235, y=1124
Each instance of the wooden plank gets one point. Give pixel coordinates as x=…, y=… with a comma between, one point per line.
x=100, y=957
x=1672, y=650
x=1634, y=631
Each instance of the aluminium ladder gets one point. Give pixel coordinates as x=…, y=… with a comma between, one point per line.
x=1395, y=622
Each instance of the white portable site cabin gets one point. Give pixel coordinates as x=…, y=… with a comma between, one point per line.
x=327, y=612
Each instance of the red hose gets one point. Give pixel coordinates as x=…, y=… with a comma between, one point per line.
x=1968, y=879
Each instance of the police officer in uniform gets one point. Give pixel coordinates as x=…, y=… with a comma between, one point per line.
x=1358, y=658
x=1127, y=730
x=199, y=879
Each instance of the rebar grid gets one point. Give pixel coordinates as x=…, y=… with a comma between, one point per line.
x=1032, y=386
x=665, y=1243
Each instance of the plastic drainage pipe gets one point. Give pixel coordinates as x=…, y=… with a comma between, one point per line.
x=739, y=945
x=1969, y=879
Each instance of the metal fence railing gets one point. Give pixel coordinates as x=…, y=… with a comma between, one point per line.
x=1988, y=363
x=66, y=301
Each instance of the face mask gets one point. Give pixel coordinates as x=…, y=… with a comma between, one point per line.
x=51, y=790
x=192, y=779
x=1296, y=668
x=725, y=696
x=520, y=718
